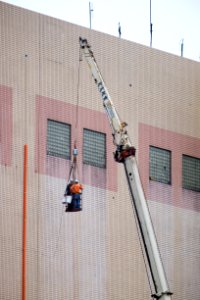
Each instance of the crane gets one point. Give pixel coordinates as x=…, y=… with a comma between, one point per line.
x=125, y=154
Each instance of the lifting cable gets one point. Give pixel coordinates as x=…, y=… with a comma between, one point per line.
x=73, y=169
x=78, y=89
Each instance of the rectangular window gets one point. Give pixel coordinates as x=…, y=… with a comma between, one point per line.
x=191, y=173
x=160, y=165
x=58, y=139
x=94, y=148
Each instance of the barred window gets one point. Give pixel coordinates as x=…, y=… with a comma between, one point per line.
x=94, y=148
x=191, y=173
x=58, y=139
x=160, y=165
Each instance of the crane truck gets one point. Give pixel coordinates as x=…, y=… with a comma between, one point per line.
x=125, y=154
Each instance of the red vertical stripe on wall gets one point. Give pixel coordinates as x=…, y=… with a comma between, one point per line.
x=5, y=125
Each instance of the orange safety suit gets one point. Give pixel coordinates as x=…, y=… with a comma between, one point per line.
x=76, y=188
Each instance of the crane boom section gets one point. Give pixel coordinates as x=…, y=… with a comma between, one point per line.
x=118, y=128
x=125, y=153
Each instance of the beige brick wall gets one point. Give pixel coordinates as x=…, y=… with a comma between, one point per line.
x=94, y=254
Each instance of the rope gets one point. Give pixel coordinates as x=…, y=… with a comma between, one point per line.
x=77, y=95
x=73, y=168
x=74, y=165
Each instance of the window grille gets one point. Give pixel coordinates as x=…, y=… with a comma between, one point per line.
x=160, y=165
x=58, y=139
x=191, y=173
x=94, y=148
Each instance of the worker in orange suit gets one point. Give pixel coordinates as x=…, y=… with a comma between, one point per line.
x=76, y=191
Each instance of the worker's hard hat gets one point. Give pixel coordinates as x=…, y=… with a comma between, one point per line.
x=76, y=180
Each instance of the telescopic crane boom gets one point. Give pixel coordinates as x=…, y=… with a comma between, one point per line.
x=125, y=153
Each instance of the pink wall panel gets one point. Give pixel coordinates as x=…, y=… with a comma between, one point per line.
x=178, y=144
x=47, y=108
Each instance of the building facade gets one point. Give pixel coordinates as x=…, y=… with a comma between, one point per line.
x=48, y=101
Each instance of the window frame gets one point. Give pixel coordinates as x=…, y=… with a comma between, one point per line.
x=169, y=175
x=188, y=186
x=54, y=154
x=95, y=164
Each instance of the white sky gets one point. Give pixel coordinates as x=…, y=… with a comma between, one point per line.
x=173, y=20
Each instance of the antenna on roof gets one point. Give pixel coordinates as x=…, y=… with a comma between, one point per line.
x=90, y=13
x=182, y=46
x=119, y=29
x=151, y=27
